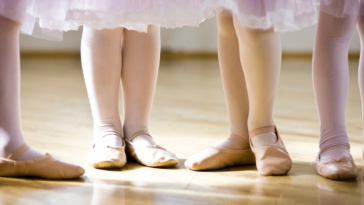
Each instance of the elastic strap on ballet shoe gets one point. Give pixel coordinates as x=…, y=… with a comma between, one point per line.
x=136, y=134
x=238, y=140
x=261, y=130
x=108, y=134
x=18, y=152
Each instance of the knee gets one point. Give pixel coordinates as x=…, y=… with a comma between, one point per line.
x=9, y=26
x=153, y=30
x=254, y=36
x=225, y=24
x=360, y=26
x=335, y=28
x=92, y=36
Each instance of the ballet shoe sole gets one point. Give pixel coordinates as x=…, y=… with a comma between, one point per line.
x=164, y=164
x=107, y=165
x=340, y=177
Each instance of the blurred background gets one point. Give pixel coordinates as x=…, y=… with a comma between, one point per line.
x=187, y=40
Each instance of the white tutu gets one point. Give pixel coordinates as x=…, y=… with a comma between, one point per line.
x=64, y=15
x=340, y=8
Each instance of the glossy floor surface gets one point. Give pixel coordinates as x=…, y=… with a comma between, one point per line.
x=189, y=114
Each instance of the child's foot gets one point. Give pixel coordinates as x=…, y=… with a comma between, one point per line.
x=26, y=161
x=271, y=155
x=109, y=141
x=108, y=153
x=31, y=154
x=229, y=144
x=141, y=147
x=144, y=140
x=232, y=152
x=335, y=152
x=264, y=139
x=336, y=163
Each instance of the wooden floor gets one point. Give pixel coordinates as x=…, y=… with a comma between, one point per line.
x=189, y=114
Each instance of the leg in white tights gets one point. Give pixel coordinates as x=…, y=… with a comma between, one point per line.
x=107, y=56
x=141, y=54
x=11, y=135
x=101, y=63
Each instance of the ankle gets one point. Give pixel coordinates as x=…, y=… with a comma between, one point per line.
x=229, y=144
x=105, y=130
x=261, y=124
x=264, y=139
x=130, y=130
x=335, y=152
x=109, y=141
x=9, y=148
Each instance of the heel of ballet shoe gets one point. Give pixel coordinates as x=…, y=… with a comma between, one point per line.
x=151, y=156
x=270, y=159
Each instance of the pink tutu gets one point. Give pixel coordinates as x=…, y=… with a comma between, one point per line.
x=340, y=8
x=281, y=15
x=64, y=15
x=17, y=10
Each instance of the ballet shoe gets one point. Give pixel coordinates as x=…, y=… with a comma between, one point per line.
x=343, y=168
x=107, y=157
x=218, y=158
x=270, y=159
x=47, y=167
x=151, y=156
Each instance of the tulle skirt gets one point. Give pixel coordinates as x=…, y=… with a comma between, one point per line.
x=64, y=15
x=340, y=8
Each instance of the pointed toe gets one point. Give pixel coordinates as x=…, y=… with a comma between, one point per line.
x=338, y=169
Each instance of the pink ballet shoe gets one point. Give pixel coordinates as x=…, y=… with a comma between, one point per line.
x=151, y=156
x=218, y=158
x=337, y=169
x=107, y=157
x=47, y=167
x=270, y=159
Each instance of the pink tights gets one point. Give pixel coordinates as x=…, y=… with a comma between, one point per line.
x=331, y=80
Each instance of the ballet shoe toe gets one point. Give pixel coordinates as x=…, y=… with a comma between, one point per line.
x=48, y=167
x=218, y=158
x=68, y=170
x=339, y=169
x=192, y=164
x=274, y=166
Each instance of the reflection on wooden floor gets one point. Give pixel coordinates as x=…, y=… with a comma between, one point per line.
x=189, y=114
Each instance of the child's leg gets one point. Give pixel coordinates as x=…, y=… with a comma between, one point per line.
x=233, y=81
x=141, y=54
x=235, y=150
x=11, y=135
x=360, y=26
x=101, y=62
x=260, y=56
x=331, y=82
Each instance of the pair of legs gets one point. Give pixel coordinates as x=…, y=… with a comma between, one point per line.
x=109, y=56
x=30, y=162
x=331, y=81
x=250, y=63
